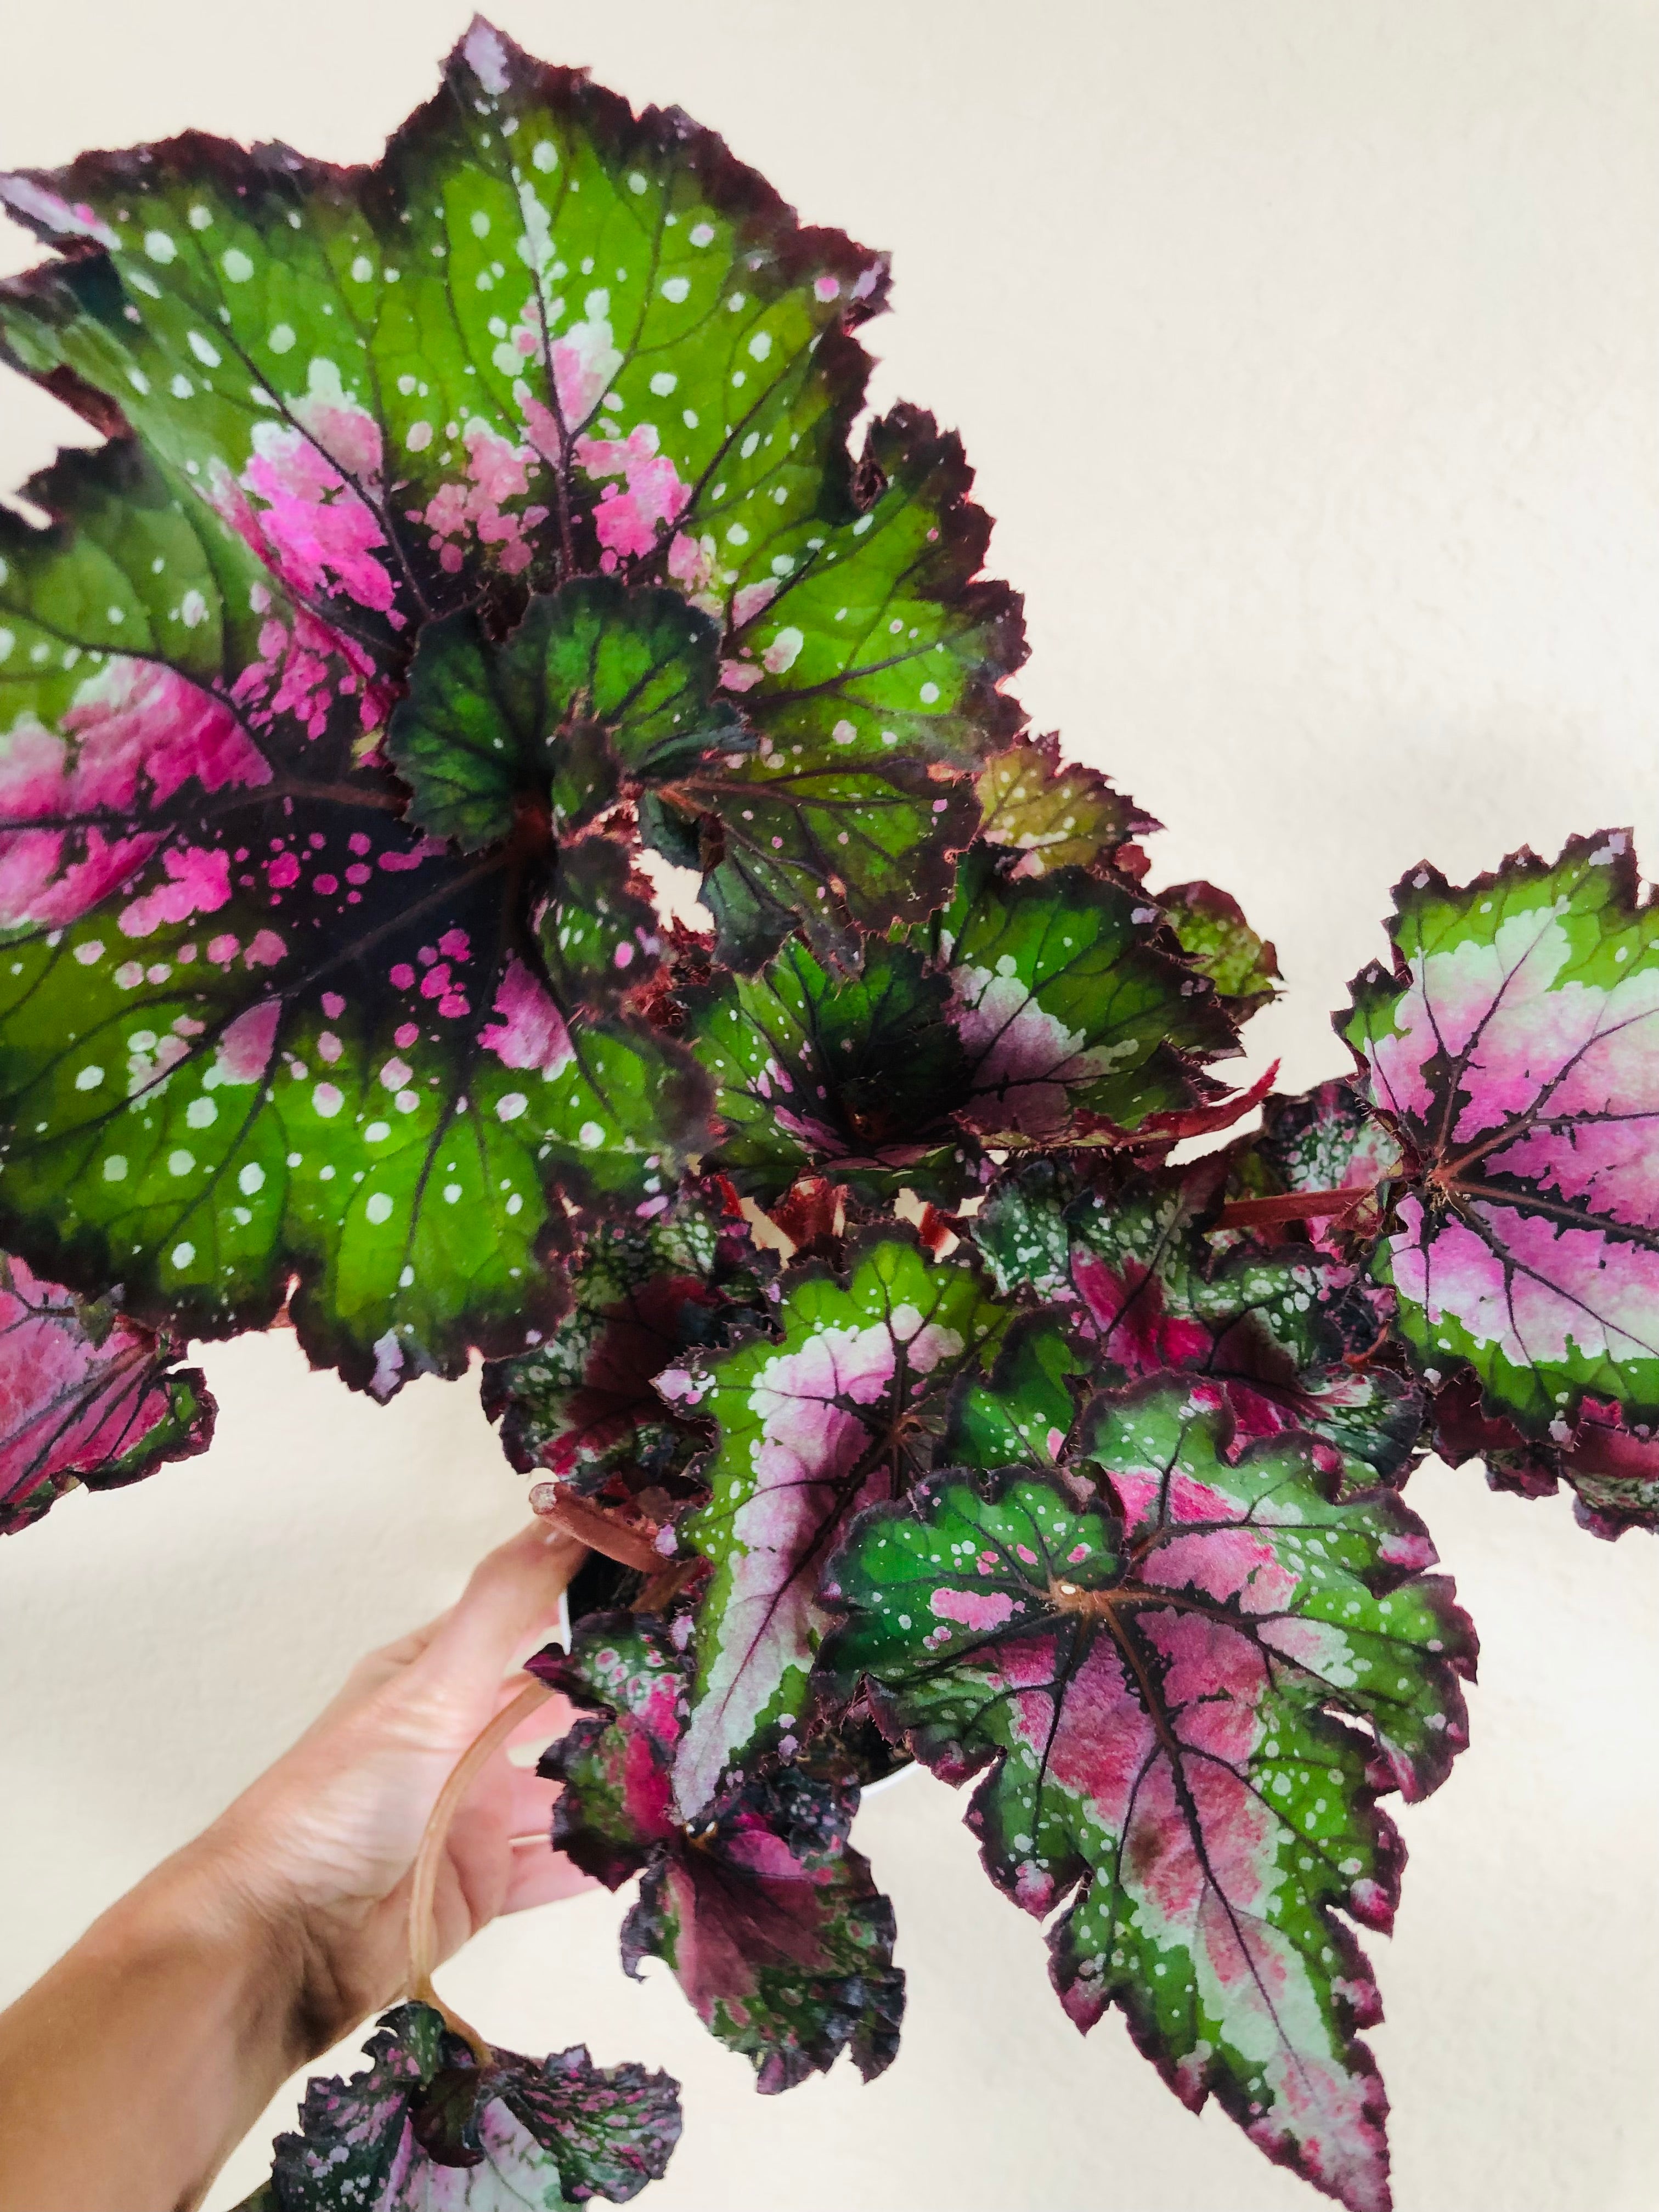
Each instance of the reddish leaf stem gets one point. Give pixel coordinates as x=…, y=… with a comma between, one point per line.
x=1292, y=1205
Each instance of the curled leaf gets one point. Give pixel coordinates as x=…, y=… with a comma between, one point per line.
x=582, y=1405
x=768, y=1920
x=1612, y=1468
x=1055, y=814
x=1028, y=1013
x=424, y=2125
x=1211, y=928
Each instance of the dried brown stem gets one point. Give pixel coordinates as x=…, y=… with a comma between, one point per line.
x=576, y=1517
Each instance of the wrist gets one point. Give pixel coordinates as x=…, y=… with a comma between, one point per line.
x=285, y=1956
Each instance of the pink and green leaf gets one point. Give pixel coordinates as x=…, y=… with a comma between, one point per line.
x=1512, y=1050
x=1074, y=1018
x=424, y=333
x=582, y=1405
x=542, y=337
x=1185, y=1688
x=425, y=2126
x=316, y=1051
x=85, y=1397
x=839, y=1412
x=1129, y=1259
x=768, y=1919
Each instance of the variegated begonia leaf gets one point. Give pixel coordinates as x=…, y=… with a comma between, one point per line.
x=541, y=421
x=597, y=685
x=1055, y=814
x=85, y=1397
x=543, y=337
x=425, y=2127
x=853, y=1075
x=1211, y=928
x=1022, y=1412
x=1513, y=1048
x=770, y=1921
x=872, y=685
x=1075, y=1019
x=254, y=1026
x=1612, y=1469
x=1185, y=1691
x=582, y=1405
x=1031, y=1012
x=839, y=1410
x=1128, y=1259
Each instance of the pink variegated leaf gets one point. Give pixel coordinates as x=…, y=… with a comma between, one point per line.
x=1513, y=1052
x=85, y=1397
x=545, y=338
x=841, y=1410
x=1186, y=1671
x=1129, y=1264
x=426, y=2128
x=770, y=1921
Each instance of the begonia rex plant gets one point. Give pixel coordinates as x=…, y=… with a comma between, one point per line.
x=477, y=539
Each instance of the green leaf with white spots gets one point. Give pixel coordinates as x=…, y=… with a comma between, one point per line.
x=1510, y=1051
x=1022, y=1413
x=1076, y=1021
x=849, y=1076
x=536, y=332
x=598, y=931
x=1211, y=930
x=1055, y=814
x=841, y=1409
x=596, y=684
x=1131, y=1260
x=872, y=673
x=1184, y=1685
x=239, y=1070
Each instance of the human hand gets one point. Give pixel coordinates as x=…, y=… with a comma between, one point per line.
x=321, y=1847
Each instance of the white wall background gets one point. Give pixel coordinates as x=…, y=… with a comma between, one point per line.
x=1308, y=350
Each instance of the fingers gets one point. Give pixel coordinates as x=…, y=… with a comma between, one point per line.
x=543, y=1727
x=540, y=1876
x=529, y=1802
x=513, y=1594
